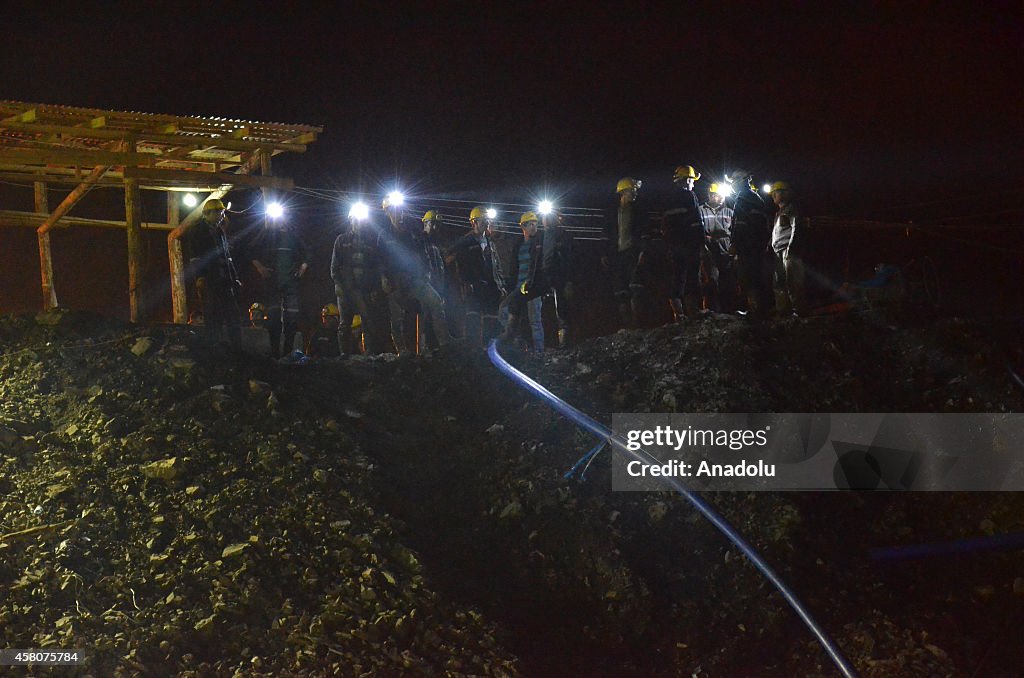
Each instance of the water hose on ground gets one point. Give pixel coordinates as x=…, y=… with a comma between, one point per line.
x=606, y=434
x=997, y=542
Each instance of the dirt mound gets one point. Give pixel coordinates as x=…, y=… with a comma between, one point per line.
x=174, y=510
x=176, y=517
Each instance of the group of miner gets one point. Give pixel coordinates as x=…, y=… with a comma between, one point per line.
x=398, y=290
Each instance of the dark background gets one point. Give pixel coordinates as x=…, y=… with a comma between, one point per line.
x=909, y=114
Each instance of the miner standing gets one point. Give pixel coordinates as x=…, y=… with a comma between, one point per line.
x=281, y=260
x=684, y=231
x=787, y=237
x=626, y=226
x=213, y=269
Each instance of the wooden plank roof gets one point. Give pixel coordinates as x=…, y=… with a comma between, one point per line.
x=46, y=140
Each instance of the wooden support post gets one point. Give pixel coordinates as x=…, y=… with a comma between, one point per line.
x=266, y=172
x=43, y=233
x=136, y=265
x=45, y=259
x=179, y=298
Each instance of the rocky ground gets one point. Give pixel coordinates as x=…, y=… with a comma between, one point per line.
x=175, y=511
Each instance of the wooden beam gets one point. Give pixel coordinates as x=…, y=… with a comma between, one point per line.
x=159, y=137
x=166, y=176
x=75, y=157
x=34, y=220
x=179, y=296
x=45, y=256
x=27, y=116
x=77, y=194
x=43, y=235
x=41, y=200
x=136, y=264
x=109, y=179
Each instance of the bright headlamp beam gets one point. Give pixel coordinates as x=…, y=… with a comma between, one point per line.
x=359, y=211
x=492, y=213
x=767, y=188
x=275, y=210
x=545, y=207
x=190, y=200
x=395, y=198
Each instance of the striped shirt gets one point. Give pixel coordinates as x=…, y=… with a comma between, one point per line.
x=524, y=263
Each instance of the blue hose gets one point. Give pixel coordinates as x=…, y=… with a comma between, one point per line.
x=586, y=422
x=585, y=459
x=996, y=542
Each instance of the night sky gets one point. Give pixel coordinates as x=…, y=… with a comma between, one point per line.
x=862, y=110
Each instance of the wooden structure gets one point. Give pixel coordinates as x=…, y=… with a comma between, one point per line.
x=42, y=144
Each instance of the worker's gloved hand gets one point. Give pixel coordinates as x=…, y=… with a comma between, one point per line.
x=525, y=288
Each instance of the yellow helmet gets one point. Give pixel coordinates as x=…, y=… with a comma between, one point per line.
x=780, y=186
x=214, y=204
x=330, y=310
x=684, y=172
x=357, y=321
x=528, y=217
x=431, y=215
x=714, y=188
x=627, y=183
x=477, y=212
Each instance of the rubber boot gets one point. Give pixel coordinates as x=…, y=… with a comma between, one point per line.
x=274, y=331
x=490, y=328
x=509, y=333
x=345, y=340
x=290, y=330
x=691, y=307
x=626, y=316
x=677, y=311
x=636, y=311
x=440, y=325
x=474, y=329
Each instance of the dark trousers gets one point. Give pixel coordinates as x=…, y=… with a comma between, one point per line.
x=283, y=312
x=754, y=271
x=414, y=297
x=720, y=270
x=686, y=275
x=561, y=294
x=221, y=316
x=481, y=302
x=351, y=302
